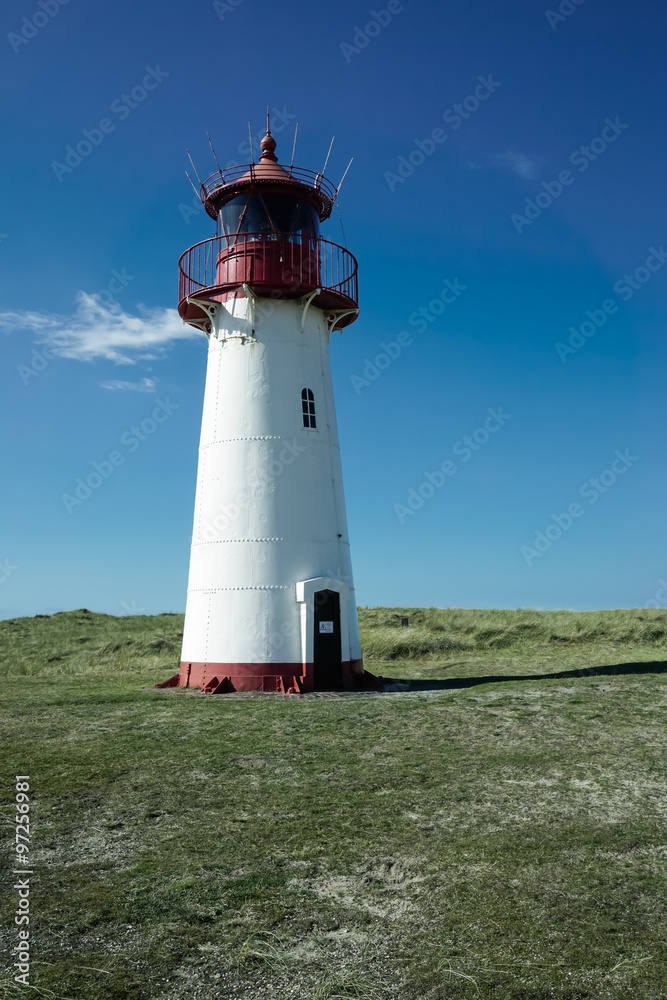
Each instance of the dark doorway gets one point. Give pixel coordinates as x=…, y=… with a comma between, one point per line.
x=328, y=669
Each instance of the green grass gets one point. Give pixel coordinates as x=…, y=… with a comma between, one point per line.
x=503, y=841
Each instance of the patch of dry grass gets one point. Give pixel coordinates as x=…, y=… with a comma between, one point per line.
x=503, y=841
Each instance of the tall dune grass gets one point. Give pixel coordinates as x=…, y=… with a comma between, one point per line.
x=436, y=632
x=147, y=647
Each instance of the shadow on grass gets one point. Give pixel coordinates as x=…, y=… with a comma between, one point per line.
x=450, y=683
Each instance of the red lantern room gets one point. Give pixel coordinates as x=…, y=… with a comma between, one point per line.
x=268, y=238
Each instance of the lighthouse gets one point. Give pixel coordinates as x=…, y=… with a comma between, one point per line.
x=271, y=603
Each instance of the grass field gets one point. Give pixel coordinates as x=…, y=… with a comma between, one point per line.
x=500, y=835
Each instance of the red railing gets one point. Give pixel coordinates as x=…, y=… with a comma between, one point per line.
x=230, y=175
x=287, y=265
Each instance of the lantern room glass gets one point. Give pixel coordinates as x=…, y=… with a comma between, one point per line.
x=267, y=216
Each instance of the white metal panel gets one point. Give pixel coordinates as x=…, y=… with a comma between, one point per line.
x=269, y=503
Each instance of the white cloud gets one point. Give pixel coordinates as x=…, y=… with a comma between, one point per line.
x=97, y=330
x=519, y=163
x=146, y=385
x=10, y=321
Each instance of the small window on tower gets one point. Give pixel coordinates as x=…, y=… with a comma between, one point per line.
x=308, y=407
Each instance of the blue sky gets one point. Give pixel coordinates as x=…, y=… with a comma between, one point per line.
x=534, y=199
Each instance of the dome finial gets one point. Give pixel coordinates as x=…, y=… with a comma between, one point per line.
x=268, y=143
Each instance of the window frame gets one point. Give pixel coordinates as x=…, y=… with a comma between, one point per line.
x=308, y=414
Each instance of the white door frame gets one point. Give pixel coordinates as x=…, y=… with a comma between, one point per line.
x=305, y=595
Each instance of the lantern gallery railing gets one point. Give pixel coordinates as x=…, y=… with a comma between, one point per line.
x=278, y=264
x=229, y=176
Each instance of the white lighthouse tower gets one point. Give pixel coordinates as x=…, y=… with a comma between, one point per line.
x=271, y=603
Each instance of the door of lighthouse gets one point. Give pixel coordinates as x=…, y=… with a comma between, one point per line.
x=327, y=666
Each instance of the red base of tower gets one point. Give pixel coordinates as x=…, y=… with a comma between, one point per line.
x=286, y=678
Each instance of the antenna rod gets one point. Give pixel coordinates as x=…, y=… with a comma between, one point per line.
x=296, y=130
x=213, y=151
x=198, y=193
x=343, y=177
x=193, y=167
x=268, y=120
x=328, y=155
x=252, y=152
